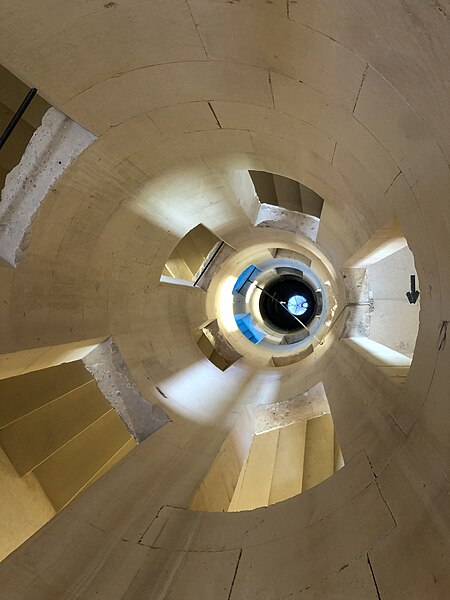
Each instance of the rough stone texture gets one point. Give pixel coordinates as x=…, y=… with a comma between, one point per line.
x=284, y=253
x=288, y=220
x=109, y=370
x=213, y=267
x=309, y=405
x=52, y=148
x=357, y=322
x=220, y=343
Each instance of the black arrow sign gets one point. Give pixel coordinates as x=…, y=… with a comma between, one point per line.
x=413, y=295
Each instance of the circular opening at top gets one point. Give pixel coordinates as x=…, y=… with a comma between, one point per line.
x=288, y=303
x=297, y=305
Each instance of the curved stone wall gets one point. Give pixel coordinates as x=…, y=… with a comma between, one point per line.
x=348, y=98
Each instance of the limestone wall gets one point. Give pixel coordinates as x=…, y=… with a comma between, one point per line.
x=348, y=98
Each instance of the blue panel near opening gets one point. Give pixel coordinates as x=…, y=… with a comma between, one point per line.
x=246, y=326
x=245, y=279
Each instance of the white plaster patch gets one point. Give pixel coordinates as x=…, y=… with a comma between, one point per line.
x=109, y=370
x=289, y=220
x=52, y=148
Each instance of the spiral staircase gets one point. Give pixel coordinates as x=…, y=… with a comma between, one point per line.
x=149, y=447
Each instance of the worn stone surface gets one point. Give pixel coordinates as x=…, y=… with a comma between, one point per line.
x=356, y=285
x=52, y=148
x=288, y=220
x=358, y=315
x=110, y=372
x=284, y=253
x=309, y=405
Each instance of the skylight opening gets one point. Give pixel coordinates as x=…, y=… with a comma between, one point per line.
x=297, y=305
